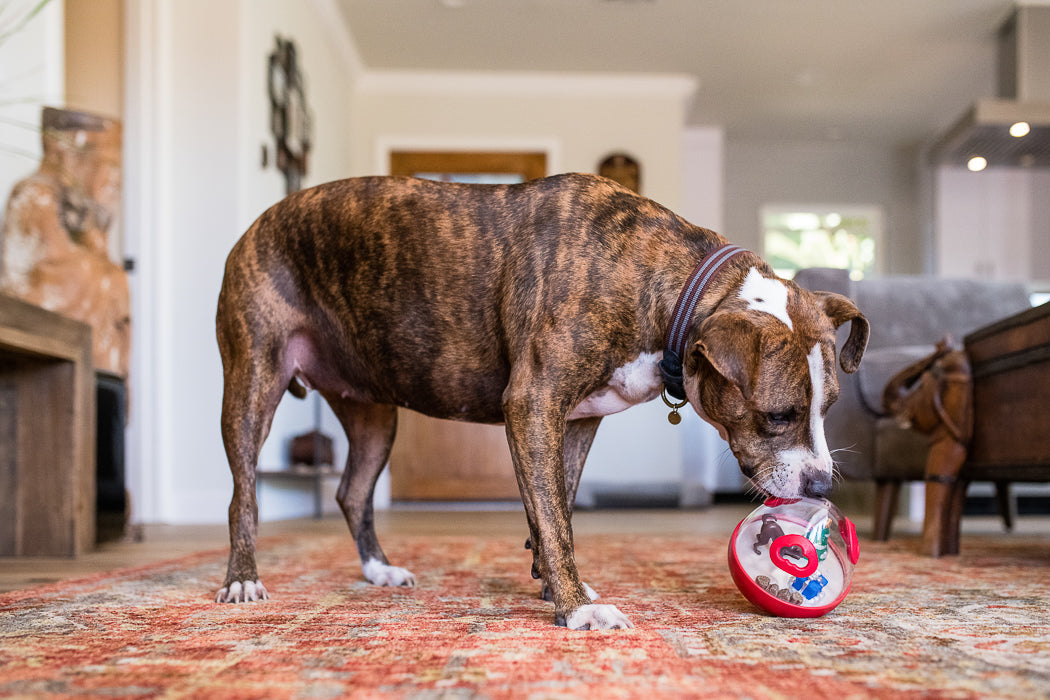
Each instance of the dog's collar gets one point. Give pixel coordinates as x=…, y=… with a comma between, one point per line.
x=678, y=329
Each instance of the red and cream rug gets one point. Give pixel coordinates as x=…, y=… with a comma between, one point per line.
x=972, y=626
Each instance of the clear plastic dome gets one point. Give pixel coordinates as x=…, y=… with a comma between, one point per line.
x=794, y=558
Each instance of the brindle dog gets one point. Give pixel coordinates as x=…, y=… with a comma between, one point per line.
x=543, y=306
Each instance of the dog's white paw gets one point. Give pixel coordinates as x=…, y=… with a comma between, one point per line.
x=242, y=592
x=597, y=617
x=591, y=593
x=386, y=575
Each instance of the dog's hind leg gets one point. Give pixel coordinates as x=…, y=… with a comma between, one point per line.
x=250, y=397
x=370, y=430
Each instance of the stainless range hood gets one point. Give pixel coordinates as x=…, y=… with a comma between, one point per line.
x=1023, y=99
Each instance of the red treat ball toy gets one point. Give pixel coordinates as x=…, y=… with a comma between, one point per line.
x=794, y=558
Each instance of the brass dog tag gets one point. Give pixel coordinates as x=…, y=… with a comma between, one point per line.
x=674, y=417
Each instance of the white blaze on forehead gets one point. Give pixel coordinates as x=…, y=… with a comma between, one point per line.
x=786, y=480
x=767, y=295
x=816, y=421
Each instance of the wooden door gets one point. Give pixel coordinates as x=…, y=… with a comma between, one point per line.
x=439, y=460
x=490, y=166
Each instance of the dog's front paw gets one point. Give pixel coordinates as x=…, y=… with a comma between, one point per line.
x=242, y=592
x=597, y=617
x=386, y=575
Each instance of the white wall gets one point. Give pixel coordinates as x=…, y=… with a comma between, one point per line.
x=32, y=73
x=198, y=111
x=581, y=118
x=993, y=224
x=827, y=172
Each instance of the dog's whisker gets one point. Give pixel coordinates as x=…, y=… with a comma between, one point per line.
x=836, y=476
x=753, y=490
x=725, y=456
x=756, y=480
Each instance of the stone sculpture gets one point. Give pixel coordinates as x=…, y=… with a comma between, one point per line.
x=54, y=240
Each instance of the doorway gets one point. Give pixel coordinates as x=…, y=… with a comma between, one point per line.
x=441, y=460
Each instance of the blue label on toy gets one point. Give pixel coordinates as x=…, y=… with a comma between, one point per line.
x=810, y=587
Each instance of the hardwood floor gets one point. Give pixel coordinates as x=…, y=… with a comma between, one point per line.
x=161, y=542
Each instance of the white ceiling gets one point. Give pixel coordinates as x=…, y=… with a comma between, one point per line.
x=888, y=71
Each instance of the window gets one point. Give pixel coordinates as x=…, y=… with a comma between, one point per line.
x=846, y=237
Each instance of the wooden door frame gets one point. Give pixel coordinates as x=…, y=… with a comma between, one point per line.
x=386, y=145
x=529, y=164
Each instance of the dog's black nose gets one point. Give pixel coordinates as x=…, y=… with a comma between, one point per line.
x=816, y=485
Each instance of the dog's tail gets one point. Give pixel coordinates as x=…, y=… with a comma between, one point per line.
x=296, y=389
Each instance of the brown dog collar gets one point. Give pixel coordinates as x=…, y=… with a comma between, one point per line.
x=678, y=329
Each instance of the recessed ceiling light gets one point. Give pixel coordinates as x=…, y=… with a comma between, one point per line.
x=976, y=164
x=1019, y=129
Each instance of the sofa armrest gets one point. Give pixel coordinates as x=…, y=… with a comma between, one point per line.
x=824, y=279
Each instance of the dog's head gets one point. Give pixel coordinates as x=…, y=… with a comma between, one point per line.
x=762, y=371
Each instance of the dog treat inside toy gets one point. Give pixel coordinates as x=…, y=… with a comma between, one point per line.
x=794, y=558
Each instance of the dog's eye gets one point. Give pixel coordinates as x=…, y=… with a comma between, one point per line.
x=781, y=418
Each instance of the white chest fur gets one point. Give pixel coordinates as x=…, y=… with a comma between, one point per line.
x=636, y=382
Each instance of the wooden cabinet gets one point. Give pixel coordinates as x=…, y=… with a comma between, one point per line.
x=1011, y=397
x=47, y=433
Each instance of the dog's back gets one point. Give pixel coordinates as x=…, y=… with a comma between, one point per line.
x=397, y=287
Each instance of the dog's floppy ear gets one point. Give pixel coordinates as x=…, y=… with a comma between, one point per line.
x=729, y=342
x=840, y=309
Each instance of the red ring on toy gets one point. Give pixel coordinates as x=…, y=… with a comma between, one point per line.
x=774, y=501
x=776, y=553
x=849, y=535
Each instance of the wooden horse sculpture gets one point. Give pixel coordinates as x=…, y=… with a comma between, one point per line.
x=935, y=397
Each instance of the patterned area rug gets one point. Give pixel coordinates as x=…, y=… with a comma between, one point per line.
x=972, y=626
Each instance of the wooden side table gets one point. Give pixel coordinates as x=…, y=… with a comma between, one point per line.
x=1011, y=393
x=47, y=433
x=1010, y=360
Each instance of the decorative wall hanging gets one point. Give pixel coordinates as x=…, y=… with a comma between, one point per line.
x=623, y=169
x=289, y=115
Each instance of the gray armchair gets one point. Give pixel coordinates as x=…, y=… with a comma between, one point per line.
x=908, y=315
